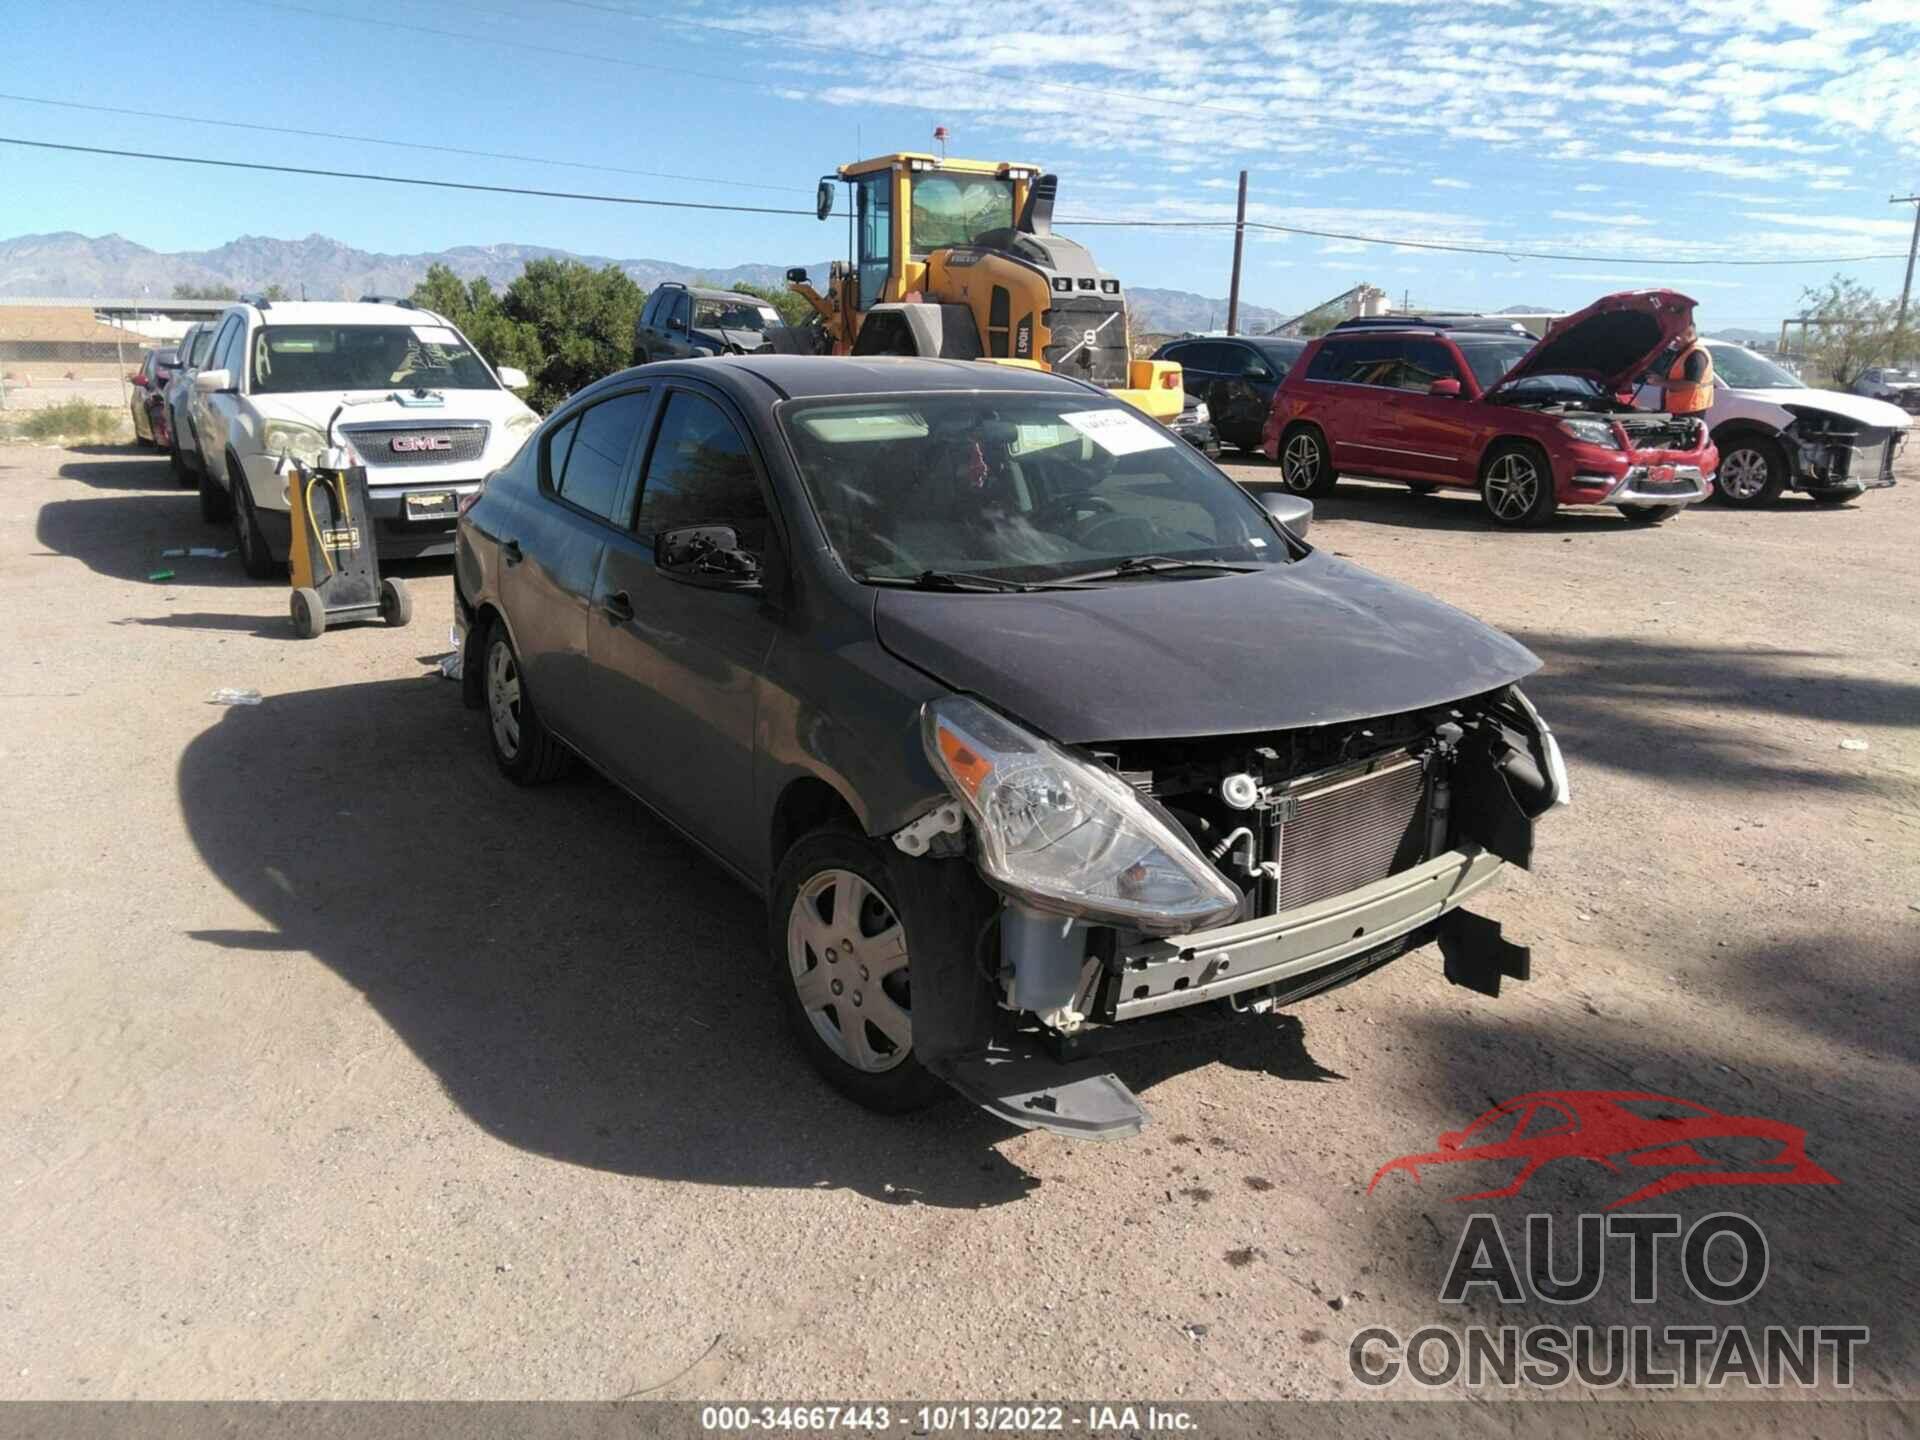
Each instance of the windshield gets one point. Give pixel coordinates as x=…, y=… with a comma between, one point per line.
x=292, y=358
x=1744, y=370
x=1022, y=488
x=745, y=313
x=1491, y=359
x=958, y=209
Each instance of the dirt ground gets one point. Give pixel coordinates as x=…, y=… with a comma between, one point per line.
x=338, y=1067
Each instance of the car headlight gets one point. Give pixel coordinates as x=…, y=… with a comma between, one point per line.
x=289, y=437
x=1067, y=834
x=1592, y=432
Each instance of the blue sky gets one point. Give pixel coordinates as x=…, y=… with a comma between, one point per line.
x=1707, y=129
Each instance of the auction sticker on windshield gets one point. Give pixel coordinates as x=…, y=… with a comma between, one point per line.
x=1118, y=432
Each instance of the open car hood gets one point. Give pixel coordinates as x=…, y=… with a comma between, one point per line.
x=1315, y=642
x=1613, y=341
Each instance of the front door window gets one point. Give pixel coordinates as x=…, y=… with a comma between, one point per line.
x=875, y=202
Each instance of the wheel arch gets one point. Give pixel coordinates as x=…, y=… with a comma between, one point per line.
x=1509, y=438
x=473, y=659
x=806, y=803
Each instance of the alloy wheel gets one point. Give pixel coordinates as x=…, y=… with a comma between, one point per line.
x=1300, y=462
x=847, y=952
x=1743, y=474
x=1513, y=486
x=503, y=697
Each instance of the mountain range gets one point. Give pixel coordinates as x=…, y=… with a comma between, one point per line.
x=111, y=266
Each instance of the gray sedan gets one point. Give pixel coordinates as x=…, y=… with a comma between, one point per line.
x=1028, y=723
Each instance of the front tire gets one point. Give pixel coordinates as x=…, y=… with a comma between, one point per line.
x=1516, y=486
x=523, y=747
x=1753, y=471
x=182, y=476
x=840, y=951
x=1306, y=462
x=255, y=556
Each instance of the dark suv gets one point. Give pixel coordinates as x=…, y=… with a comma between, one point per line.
x=1235, y=378
x=679, y=322
x=1027, y=723
x=1480, y=405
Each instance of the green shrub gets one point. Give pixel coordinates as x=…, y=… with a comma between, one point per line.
x=69, y=420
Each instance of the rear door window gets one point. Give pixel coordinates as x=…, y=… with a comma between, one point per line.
x=587, y=456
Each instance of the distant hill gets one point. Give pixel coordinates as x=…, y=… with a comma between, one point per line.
x=70, y=264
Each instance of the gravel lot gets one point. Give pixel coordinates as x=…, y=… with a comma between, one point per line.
x=338, y=1067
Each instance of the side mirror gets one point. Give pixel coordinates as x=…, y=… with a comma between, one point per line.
x=212, y=382
x=822, y=201
x=1255, y=371
x=1293, y=511
x=513, y=377
x=708, y=556
x=1446, y=388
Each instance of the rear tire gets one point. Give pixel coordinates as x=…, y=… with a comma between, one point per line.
x=1306, y=463
x=1516, y=486
x=1753, y=471
x=1649, y=514
x=523, y=748
x=850, y=1006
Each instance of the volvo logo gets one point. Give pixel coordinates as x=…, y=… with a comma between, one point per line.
x=412, y=444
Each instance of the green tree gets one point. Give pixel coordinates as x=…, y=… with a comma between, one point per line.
x=1854, y=330
x=185, y=291
x=483, y=319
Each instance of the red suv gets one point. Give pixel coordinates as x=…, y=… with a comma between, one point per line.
x=1478, y=403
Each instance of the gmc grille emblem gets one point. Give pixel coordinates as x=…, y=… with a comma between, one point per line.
x=407, y=444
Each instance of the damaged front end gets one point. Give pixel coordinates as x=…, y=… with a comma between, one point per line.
x=1837, y=454
x=1139, y=886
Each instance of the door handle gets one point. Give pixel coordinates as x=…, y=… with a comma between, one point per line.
x=511, y=552
x=618, y=607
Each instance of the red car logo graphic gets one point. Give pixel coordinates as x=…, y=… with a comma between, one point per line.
x=1630, y=1133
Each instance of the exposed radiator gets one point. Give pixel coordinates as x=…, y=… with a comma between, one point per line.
x=1348, y=829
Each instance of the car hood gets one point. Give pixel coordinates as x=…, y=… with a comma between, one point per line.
x=751, y=341
x=1613, y=341
x=369, y=407
x=1878, y=414
x=1315, y=642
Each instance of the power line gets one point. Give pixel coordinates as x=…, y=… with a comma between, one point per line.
x=378, y=140
x=1640, y=260
x=403, y=179
x=1499, y=250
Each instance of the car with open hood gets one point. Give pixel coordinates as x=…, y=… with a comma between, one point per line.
x=399, y=386
x=1476, y=403
x=1031, y=726
x=1775, y=433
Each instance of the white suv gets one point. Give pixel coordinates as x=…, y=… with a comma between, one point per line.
x=426, y=415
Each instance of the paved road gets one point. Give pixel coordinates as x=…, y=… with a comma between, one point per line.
x=338, y=1067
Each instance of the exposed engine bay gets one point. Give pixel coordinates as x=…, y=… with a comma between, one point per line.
x=1293, y=819
x=1646, y=429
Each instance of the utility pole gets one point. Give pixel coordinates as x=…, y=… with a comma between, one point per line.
x=1913, y=247
x=1239, y=240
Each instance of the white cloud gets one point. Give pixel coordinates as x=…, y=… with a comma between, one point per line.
x=1447, y=182
x=1589, y=189
x=1595, y=217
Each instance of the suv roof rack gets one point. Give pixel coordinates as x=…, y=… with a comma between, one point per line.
x=1464, y=320
x=400, y=300
x=258, y=302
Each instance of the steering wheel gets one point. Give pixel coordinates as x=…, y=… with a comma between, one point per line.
x=1068, y=509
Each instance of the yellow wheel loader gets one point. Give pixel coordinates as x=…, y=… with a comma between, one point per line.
x=958, y=259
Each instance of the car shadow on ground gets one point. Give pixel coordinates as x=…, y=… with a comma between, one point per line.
x=1612, y=700
x=1833, y=1249
x=126, y=468
x=583, y=983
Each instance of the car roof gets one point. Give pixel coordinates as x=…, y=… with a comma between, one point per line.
x=702, y=292
x=757, y=379
x=338, y=312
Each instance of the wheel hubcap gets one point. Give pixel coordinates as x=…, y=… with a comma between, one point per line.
x=1743, y=474
x=1300, y=465
x=503, y=697
x=848, y=956
x=1513, y=484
